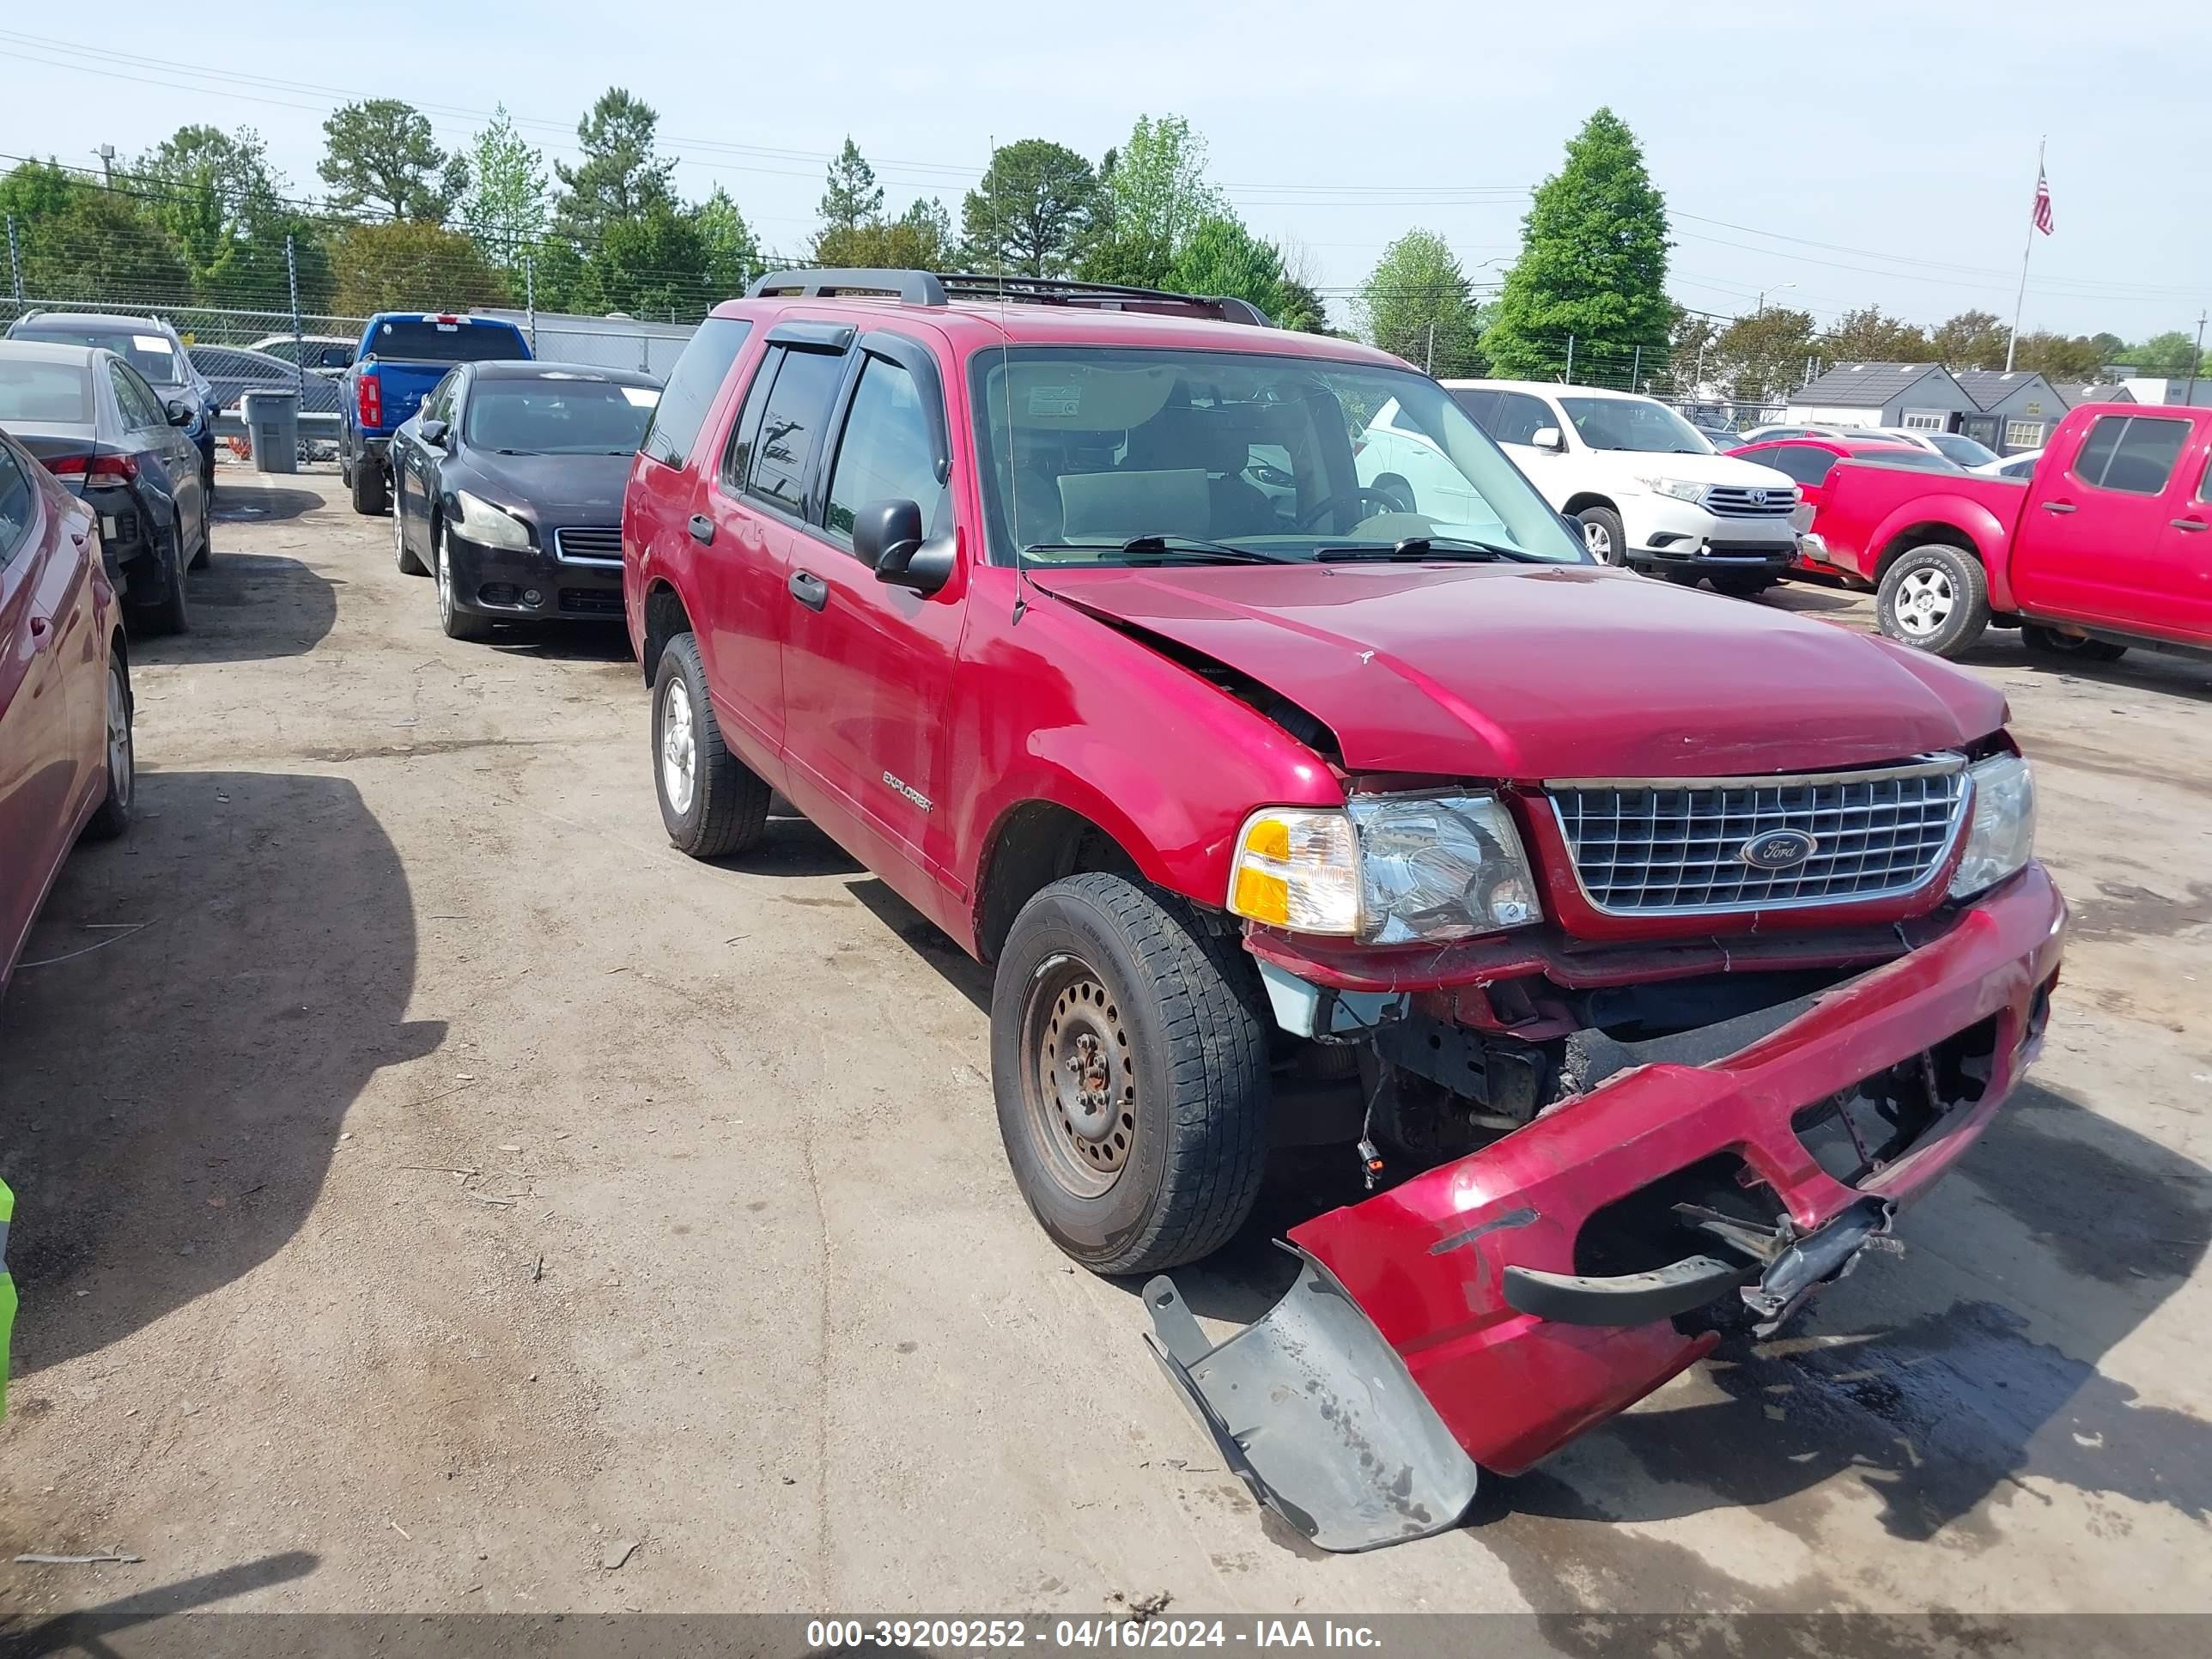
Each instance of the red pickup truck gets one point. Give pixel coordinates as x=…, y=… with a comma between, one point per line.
x=1290, y=811
x=2108, y=543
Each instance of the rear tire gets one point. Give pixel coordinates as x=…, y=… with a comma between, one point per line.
x=1743, y=586
x=166, y=614
x=370, y=493
x=2064, y=648
x=112, y=816
x=1603, y=538
x=405, y=556
x=1131, y=1077
x=205, y=556
x=711, y=802
x=1934, y=597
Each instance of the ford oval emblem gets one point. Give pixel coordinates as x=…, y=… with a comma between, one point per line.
x=1777, y=849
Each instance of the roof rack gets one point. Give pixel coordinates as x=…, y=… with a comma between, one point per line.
x=922, y=288
x=1105, y=296
x=913, y=288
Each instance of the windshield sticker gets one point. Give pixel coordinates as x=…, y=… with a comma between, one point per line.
x=641, y=397
x=1055, y=402
x=149, y=343
x=447, y=328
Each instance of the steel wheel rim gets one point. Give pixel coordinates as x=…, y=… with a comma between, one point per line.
x=1924, y=601
x=1078, y=1077
x=680, y=749
x=121, y=770
x=1597, y=540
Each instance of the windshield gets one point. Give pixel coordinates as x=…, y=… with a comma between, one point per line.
x=1087, y=449
x=1962, y=449
x=55, y=394
x=553, y=417
x=151, y=355
x=429, y=341
x=1636, y=423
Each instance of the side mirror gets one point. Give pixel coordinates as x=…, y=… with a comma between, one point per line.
x=433, y=433
x=180, y=413
x=1548, y=437
x=887, y=537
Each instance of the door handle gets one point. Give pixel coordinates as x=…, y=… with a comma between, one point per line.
x=702, y=529
x=809, y=589
x=2058, y=507
x=2189, y=524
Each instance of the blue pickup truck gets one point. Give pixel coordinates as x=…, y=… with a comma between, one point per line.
x=402, y=355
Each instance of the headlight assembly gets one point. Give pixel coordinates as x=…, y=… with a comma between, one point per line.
x=480, y=521
x=1387, y=869
x=2000, y=837
x=1682, y=490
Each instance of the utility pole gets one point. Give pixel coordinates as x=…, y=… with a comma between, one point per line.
x=2196, y=362
x=2020, y=303
x=15, y=262
x=1429, y=363
x=107, y=154
x=299, y=346
x=1636, y=373
x=1570, y=379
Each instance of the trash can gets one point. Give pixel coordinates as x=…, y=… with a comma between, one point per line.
x=272, y=427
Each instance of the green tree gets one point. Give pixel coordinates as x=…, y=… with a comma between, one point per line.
x=79, y=242
x=1973, y=339
x=621, y=174
x=732, y=253
x=2059, y=356
x=931, y=222
x=2169, y=354
x=211, y=191
x=1027, y=216
x=379, y=154
x=1867, y=336
x=1593, y=260
x=854, y=198
x=2109, y=345
x=1153, y=192
x=1763, y=355
x=1221, y=256
x=505, y=207
x=653, y=264
x=1416, y=304
x=420, y=267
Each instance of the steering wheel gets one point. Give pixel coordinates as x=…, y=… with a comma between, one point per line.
x=1390, y=503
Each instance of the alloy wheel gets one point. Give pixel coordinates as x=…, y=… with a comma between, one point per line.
x=679, y=747
x=445, y=577
x=1598, y=541
x=122, y=769
x=1925, y=600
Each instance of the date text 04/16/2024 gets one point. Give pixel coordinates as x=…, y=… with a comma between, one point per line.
x=1080, y=1634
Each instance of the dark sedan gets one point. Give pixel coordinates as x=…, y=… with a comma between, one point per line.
x=149, y=345
x=507, y=485
x=113, y=441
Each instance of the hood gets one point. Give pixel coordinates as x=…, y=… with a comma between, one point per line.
x=1700, y=469
x=554, y=490
x=1572, y=671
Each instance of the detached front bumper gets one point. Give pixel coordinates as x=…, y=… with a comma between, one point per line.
x=533, y=584
x=1445, y=1325
x=1665, y=531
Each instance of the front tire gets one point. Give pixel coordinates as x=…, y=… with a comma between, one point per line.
x=371, y=494
x=2065, y=647
x=1603, y=537
x=711, y=802
x=458, y=624
x=1131, y=1077
x=112, y=816
x=1934, y=597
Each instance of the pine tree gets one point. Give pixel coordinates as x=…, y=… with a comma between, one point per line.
x=854, y=198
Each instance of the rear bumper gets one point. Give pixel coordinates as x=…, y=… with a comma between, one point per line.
x=1468, y=1273
x=498, y=581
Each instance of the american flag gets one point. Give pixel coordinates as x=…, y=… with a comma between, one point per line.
x=2042, y=202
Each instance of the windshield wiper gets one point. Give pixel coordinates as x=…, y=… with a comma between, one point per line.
x=1416, y=548
x=1163, y=547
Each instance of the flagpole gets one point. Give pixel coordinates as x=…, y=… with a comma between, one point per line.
x=2018, y=304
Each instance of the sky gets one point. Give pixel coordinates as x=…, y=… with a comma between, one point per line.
x=1849, y=157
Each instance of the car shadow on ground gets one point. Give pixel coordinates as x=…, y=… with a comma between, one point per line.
x=246, y=503
x=87, y=1630
x=1933, y=1400
x=172, y=1094
x=245, y=607
x=573, y=642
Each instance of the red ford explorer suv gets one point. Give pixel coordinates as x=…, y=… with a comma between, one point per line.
x=1293, y=811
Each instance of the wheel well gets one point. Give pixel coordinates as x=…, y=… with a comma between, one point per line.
x=665, y=618
x=1036, y=844
x=1923, y=535
x=1587, y=498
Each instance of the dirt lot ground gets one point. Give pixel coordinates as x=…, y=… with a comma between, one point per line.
x=744, y=1282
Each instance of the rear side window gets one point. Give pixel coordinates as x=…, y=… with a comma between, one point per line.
x=414, y=342
x=692, y=389
x=2131, y=453
x=791, y=426
x=1482, y=407
x=17, y=501
x=1520, y=418
x=1802, y=462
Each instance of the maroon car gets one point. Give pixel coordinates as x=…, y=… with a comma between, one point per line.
x=65, y=759
x=1292, y=809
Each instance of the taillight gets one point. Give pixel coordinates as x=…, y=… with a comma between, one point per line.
x=93, y=468
x=369, y=400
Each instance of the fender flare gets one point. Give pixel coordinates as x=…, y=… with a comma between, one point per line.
x=1960, y=516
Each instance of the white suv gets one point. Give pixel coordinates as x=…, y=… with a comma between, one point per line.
x=1647, y=488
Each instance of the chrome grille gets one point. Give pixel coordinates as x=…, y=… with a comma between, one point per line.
x=1676, y=845
x=1735, y=500
x=601, y=542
